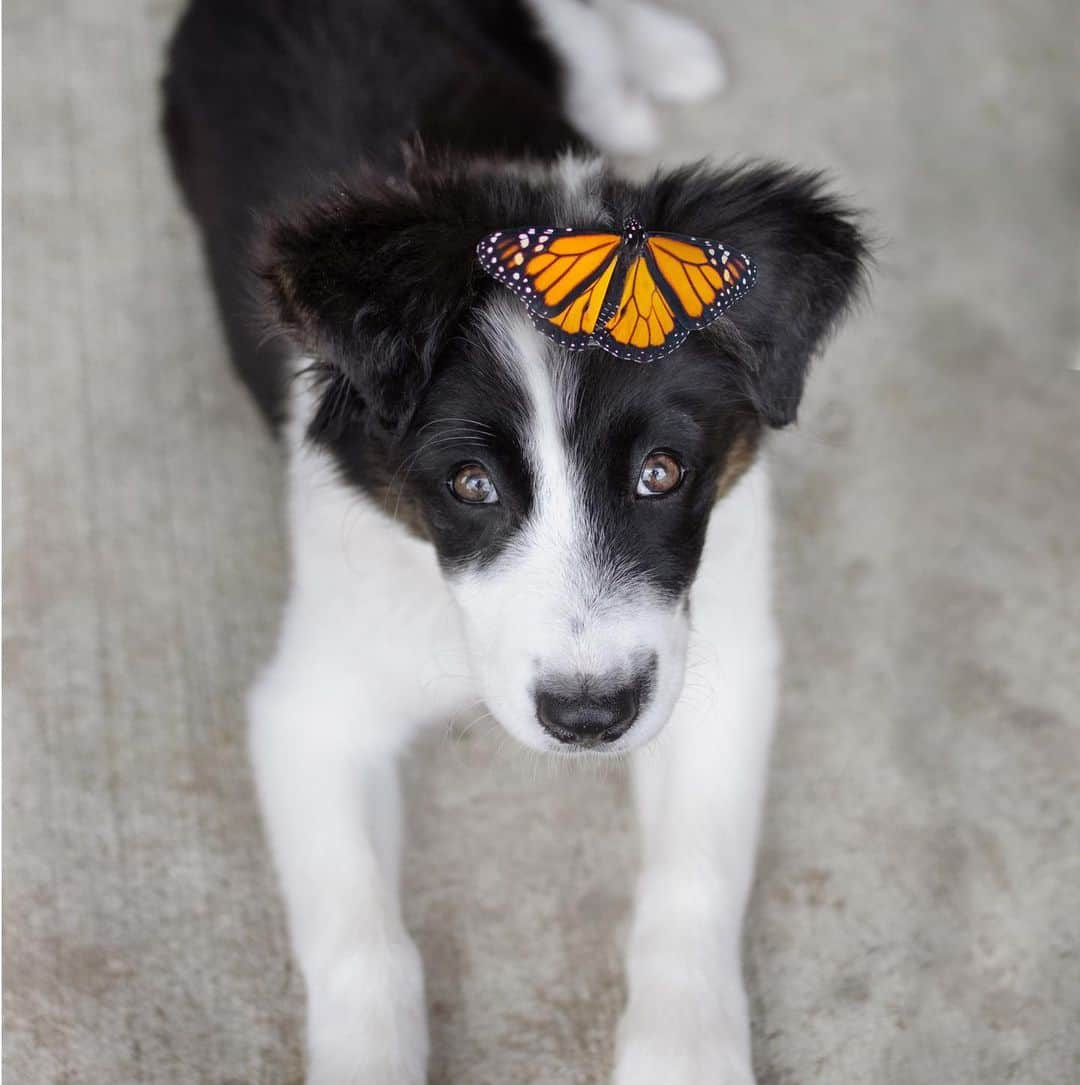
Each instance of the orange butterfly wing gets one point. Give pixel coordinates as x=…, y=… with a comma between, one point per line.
x=549, y=269
x=570, y=279
x=643, y=325
x=701, y=278
x=678, y=284
x=580, y=317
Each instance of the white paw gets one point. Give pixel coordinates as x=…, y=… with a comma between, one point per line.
x=671, y=58
x=366, y=1020
x=674, y=1057
x=622, y=121
x=682, y=1034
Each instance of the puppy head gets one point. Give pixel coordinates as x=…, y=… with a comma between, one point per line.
x=567, y=494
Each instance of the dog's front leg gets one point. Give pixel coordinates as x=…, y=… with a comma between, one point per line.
x=329, y=717
x=328, y=791
x=699, y=791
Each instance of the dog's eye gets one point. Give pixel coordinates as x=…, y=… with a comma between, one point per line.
x=472, y=484
x=660, y=474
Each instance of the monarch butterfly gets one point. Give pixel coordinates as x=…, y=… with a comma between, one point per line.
x=637, y=294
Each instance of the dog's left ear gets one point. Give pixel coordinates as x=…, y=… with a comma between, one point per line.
x=810, y=257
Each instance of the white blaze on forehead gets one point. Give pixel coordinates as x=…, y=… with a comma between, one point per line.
x=557, y=572
x=545, y=378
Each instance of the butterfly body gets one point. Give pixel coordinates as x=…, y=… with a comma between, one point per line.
x=636, y=294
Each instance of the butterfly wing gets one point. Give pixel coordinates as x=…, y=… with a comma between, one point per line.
x=700, y=278
x=642, y=327
x=677, y=285
x=574, y=326
x=570, y=279
x=551, y=269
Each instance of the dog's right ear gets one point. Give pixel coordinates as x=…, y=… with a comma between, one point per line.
x=371, y=281
x=811, y=259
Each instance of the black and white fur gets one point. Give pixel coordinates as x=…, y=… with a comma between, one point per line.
x=343, y=159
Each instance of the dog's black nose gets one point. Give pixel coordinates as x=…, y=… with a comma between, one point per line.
x=583, y=714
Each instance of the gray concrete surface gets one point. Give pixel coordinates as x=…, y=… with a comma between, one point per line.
x=917, y=910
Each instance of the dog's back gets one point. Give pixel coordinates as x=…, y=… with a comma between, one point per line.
x=269, y=101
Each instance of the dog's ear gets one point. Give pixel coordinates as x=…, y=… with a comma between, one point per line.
x=371, y=280
x=810, y=256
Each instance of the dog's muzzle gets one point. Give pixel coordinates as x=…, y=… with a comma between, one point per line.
x=586, y=711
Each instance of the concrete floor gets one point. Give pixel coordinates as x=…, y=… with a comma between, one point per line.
x=917, y=910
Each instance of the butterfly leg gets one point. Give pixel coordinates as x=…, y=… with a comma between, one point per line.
x=699, y=792
x=668, y=56
x=600, y=99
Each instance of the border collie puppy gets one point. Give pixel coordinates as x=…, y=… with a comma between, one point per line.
x=477, y=512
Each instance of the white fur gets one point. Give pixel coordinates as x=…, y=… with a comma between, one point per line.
x=666, y=55
x=371, y=650
x=575, y=182
x=578, y=181
x=620, y=56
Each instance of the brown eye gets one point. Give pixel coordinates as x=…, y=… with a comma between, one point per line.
x=660, y=474
x=472, y=484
